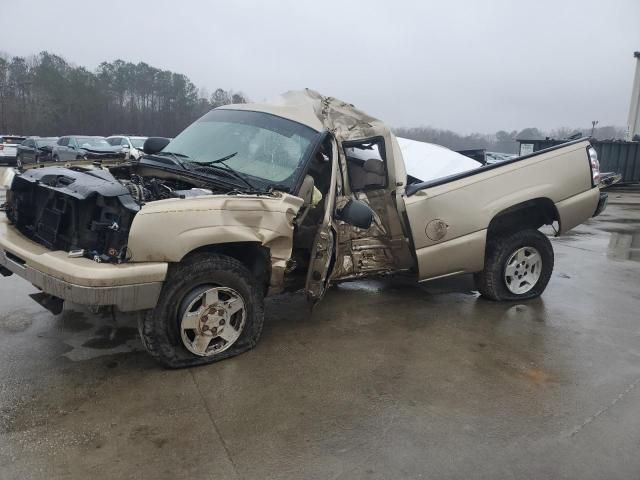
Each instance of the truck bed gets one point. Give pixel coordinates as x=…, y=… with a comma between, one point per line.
x=415, y=187
x=466, y=203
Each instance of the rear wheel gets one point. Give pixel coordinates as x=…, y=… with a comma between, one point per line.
x=518, y=266
x=19, y=162
x=210, y=308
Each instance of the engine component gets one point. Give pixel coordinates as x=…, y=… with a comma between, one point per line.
x=86, y=213
x=65, y=209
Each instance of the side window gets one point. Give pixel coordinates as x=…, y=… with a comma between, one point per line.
x=114, y=141
x=31, y=143
x=72, y=142
x=63, y=142
x=124, y=142
x=366, y=164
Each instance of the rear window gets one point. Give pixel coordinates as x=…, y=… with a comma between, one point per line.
x=12, y=140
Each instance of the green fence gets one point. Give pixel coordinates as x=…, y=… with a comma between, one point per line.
x=614, y=155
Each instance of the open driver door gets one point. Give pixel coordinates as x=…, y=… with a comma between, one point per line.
x=323, y=250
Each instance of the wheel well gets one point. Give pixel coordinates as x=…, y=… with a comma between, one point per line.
x=530, y=214
x=251, y=254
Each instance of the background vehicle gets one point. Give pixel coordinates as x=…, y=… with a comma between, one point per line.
x=35, y=150
x=9, y=148
x=257, y=199
x=131, y=145
x=495, y=157
x=79, y=147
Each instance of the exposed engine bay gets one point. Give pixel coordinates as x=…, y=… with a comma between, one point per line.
x=88, y=212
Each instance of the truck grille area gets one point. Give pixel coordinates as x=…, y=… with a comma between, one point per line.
x=63, y=209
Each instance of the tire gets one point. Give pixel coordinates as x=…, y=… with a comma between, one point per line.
x=56, y=158
x=505, y=251
x=19, y=162
x=160, y=328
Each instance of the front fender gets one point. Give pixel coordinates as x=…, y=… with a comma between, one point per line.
x=167, y=230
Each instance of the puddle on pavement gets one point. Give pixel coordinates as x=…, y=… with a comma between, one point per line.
x=111, y=337
x=90, y=335
x=74, y=321
x=624, y=246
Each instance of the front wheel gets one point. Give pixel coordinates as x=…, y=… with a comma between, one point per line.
x=517, y=266
x=19, y=162
x=210, y=308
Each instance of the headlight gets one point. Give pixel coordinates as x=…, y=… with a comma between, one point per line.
x=595, y=166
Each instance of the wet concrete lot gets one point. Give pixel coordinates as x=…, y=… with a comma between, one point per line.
x=385, y=380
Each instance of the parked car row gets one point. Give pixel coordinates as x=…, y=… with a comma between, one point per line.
x=19, y=150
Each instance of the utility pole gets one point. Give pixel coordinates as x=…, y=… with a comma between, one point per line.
x=633, y=126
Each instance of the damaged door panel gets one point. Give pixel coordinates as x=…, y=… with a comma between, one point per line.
x=323, y=249
x=382, y=248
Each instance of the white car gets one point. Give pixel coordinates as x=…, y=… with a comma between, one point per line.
x=131, y=145
x=9, y=148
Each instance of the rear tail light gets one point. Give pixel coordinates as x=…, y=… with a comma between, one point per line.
x=595, y=166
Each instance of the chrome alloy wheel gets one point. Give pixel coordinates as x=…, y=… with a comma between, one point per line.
x=212, y=321
x=522, y=270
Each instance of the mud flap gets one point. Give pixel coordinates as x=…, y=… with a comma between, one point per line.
x=51, y=303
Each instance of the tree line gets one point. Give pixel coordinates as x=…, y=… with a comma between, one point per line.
x=502, y=141
x=45, y=95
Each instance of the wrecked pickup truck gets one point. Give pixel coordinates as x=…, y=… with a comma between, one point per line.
x=257, y=199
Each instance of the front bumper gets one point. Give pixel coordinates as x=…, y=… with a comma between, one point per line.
x=129, y=287
x=602, y=203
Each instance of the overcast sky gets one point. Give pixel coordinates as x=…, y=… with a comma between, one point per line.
x=461, y=65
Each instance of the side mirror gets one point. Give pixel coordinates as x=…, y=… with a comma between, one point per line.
x=124, y=147
x=154, y=144
x=356, y=213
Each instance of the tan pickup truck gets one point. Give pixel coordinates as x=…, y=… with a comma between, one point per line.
x=257, y=199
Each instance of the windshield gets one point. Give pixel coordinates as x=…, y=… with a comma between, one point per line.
x=92, y=142
x=137, y=142
x=265, y=147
